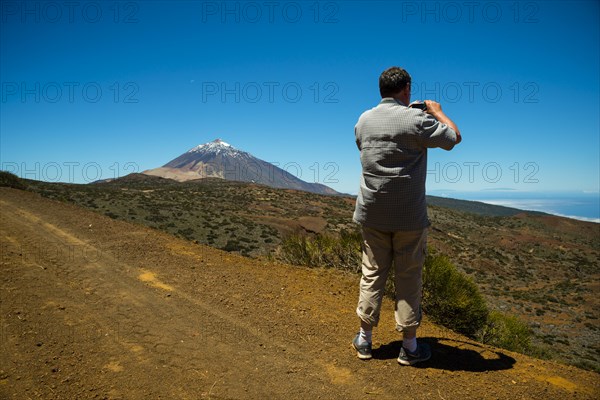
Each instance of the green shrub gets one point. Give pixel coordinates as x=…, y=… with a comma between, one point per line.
x=233, y=245
x=507, y=332
x=585, y=364
x=11, y=180
x=451, y=298
x=323, y=250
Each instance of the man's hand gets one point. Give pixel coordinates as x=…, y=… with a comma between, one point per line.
x=435, y=109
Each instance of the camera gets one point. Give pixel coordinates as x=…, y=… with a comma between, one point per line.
x=418, y=104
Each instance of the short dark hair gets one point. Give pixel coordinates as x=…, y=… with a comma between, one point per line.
x=392, y=81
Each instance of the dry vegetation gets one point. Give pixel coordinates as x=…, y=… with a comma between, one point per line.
x=541, y=268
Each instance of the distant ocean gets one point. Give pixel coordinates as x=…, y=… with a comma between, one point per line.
x=577, y=205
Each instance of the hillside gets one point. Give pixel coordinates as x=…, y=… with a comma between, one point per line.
x=218, y=159
x=542, y=268
x=477, y=207
x=98, y=308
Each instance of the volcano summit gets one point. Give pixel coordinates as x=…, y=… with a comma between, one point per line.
x=218, y=159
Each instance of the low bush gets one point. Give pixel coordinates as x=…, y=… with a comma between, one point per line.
x=11, y=180
x=323, y=250
x=506, y=331
x=451, y=298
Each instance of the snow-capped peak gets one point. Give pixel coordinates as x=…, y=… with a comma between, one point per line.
x=220, y=142
x=215, y=145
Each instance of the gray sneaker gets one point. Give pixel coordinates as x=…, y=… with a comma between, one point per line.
x=423, y=353
x=364, y=351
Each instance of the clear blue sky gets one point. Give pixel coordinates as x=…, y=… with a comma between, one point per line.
x=104, y=88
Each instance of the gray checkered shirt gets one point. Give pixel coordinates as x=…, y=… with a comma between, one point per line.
x=393, y=141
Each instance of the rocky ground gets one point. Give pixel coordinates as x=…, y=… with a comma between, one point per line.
x=95, y=308
x=542, y=268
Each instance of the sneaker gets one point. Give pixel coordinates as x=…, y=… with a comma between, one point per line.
x=423, y=353
x=363, y=351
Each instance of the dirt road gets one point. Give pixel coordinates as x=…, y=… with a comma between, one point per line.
x=93, y=308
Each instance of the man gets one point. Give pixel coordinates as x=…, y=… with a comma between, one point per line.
x=393, y=139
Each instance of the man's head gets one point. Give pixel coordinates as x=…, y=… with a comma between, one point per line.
x=395, y=82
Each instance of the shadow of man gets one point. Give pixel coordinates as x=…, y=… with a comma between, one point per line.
x=464, y=356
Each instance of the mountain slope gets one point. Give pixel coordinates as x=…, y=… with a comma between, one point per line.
x=540, y=267
x=218, y=159
x=98, y=308
x=477, y=207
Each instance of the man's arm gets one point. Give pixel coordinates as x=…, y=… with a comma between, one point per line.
x=435, y=109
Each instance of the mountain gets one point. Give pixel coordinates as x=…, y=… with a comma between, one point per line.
x=478, y=207
x=218, y=159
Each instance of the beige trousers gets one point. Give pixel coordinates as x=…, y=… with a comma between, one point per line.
x=405, y=250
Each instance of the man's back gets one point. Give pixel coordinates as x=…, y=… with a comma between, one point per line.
x=393, y=141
